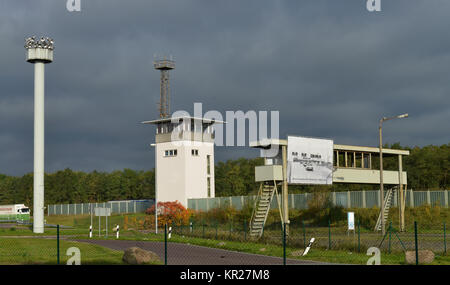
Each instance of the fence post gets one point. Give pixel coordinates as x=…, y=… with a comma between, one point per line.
x=329, y=234
x=428, y=197
x=359, y=236
x=411, y=199
x=57, y=244
x=284, y=244
x=364, y=199
x=349, y=200
x=165, y=244
x=231, y=228
x=446, y=198
x=415, y=243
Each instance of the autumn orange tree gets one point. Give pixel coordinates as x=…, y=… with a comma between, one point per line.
x=171, y=213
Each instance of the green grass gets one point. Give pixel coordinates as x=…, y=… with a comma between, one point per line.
x=44, y=251
x=84, y=221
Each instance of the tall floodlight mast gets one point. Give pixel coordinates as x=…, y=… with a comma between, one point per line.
x=39, y=52
x=164, y=65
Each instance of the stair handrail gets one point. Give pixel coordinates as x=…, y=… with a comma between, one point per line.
x=258, y=197
x=386, y=198
x=273, y=192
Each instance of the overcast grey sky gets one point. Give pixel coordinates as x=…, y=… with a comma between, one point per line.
x=331, y=68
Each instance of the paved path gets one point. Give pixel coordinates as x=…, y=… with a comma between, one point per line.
x=185, y=254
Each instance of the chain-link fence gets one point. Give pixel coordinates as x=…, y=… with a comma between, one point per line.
x=302, y=243
x=51, y=248
x=229, y=242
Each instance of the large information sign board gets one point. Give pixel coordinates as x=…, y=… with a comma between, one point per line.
x=310, y=160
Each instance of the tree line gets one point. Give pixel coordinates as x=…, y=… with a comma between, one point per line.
x=427, y=167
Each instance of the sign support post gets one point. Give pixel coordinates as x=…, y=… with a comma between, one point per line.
x=285, y=198
x=102, y=212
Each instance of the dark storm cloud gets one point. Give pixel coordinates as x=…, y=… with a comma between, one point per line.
x=331, y=68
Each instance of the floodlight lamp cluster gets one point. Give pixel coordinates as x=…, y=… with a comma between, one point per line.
x=43, y=43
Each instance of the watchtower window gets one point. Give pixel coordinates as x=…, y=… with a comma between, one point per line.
x=208, y=164
x=170, y=152
x=209, y=186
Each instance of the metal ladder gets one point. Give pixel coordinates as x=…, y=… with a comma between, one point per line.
x=388, y=199
x=261, y=209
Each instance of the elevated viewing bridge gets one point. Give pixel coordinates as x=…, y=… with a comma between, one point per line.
x=351, y=164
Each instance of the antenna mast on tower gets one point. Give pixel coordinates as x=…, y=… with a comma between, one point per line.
x=164, y=65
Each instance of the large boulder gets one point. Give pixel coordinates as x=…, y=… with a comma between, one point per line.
x=425, y=257
x=137, y=256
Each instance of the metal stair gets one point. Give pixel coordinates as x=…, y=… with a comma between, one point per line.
x=388, y=200
x=261, y=210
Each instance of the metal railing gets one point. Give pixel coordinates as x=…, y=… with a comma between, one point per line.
x=346, y=199
x=117, y=207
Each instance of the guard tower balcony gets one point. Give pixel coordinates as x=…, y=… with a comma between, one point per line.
x=184, y=128
x=164, y=64
x=272, y=170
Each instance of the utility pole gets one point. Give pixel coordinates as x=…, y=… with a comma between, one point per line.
x=285, y=197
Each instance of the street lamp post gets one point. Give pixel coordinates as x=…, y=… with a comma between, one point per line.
x=381, y=166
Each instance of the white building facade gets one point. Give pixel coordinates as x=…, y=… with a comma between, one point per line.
x=184, y=159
